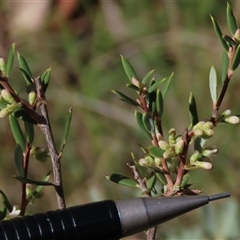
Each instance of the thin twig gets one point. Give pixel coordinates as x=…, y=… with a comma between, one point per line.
x=47, y=131
x=151, y=233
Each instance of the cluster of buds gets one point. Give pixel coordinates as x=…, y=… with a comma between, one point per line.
x=197, y=159
x=203, y=129
x=149, y=161
x=8, y=104
x=174, y=147
x=227, y=118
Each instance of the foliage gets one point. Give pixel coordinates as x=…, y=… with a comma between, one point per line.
x=163, y=41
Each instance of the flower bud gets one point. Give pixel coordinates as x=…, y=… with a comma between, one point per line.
x=232, y=119
x=195, y=156
x=179, y=146
x=164, y=145
x=2, y=65
x=32, y=96
x=7, y=96
x=209, y=152
x=171, y=135
x=204, y=165
x=226, y=113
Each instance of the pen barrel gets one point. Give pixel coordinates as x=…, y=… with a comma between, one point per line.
x=90, y=221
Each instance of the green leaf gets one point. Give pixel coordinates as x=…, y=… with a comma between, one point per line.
x=126, y=98
x=39, y=188
x=185, y=180
x=27, y=180
x=193, y=111
x=236, y=58
x=151, y=182
x=147, y=77
x=6, y=202
x=66, y=130
x=213, y=85
x=229, y=40
x=18, y=157
x=199, y=144
x=29, y=129
x=119, y=179
x=3, y=212
x=156, y=152
x=231, y=21
x=219, y=34
x=139, y=117
x=161, y=178
x=159, y=103
x=142, y=170
x=130, y=72
x=25, y=69
x=23, y=115
x=45, y=78
x=225, y=63
x=167, y=85
x=134, y=87
x=148, y=122
x=10, y=59
x=17, y=132
x=154, y=86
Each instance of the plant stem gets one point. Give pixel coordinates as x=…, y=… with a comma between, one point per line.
x=47, y=131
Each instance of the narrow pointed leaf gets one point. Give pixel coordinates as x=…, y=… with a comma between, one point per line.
x=229, y=40
x=40, y=187
x=5, y=201
x=147, y=77
x=25, y=69
x=151, y=182
x=161, y=178
x=23, y=115
x=213, y=85
x=27, y=180
x=156, y=152
x=18, y=157
x=148, y=122
x=167, y=85
x=66, y=130
x=119, y=179
x=185, y=180
x=29, y=129
x=142, y=170
x=154, y=86
x=199, y=144
x=225, y=63
x=193, y=111
x=219, y=34
x=130, y=85
x=126, y=98
x=45, y=78
x=26, y=76
x=17, y=132
x=159, y=103
x=10, y=59
x=130, y=72
x=3, y=212
x=231, y=21
x=236, y=59
x=139, y=117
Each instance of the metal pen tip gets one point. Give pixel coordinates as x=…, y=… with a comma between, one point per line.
x=219, y=196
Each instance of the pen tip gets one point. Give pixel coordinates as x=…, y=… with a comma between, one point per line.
x=219, y=196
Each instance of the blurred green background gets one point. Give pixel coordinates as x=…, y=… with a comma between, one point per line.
x=82, y=42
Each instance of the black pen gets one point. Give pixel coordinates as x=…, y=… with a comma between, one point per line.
x=103, y=220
